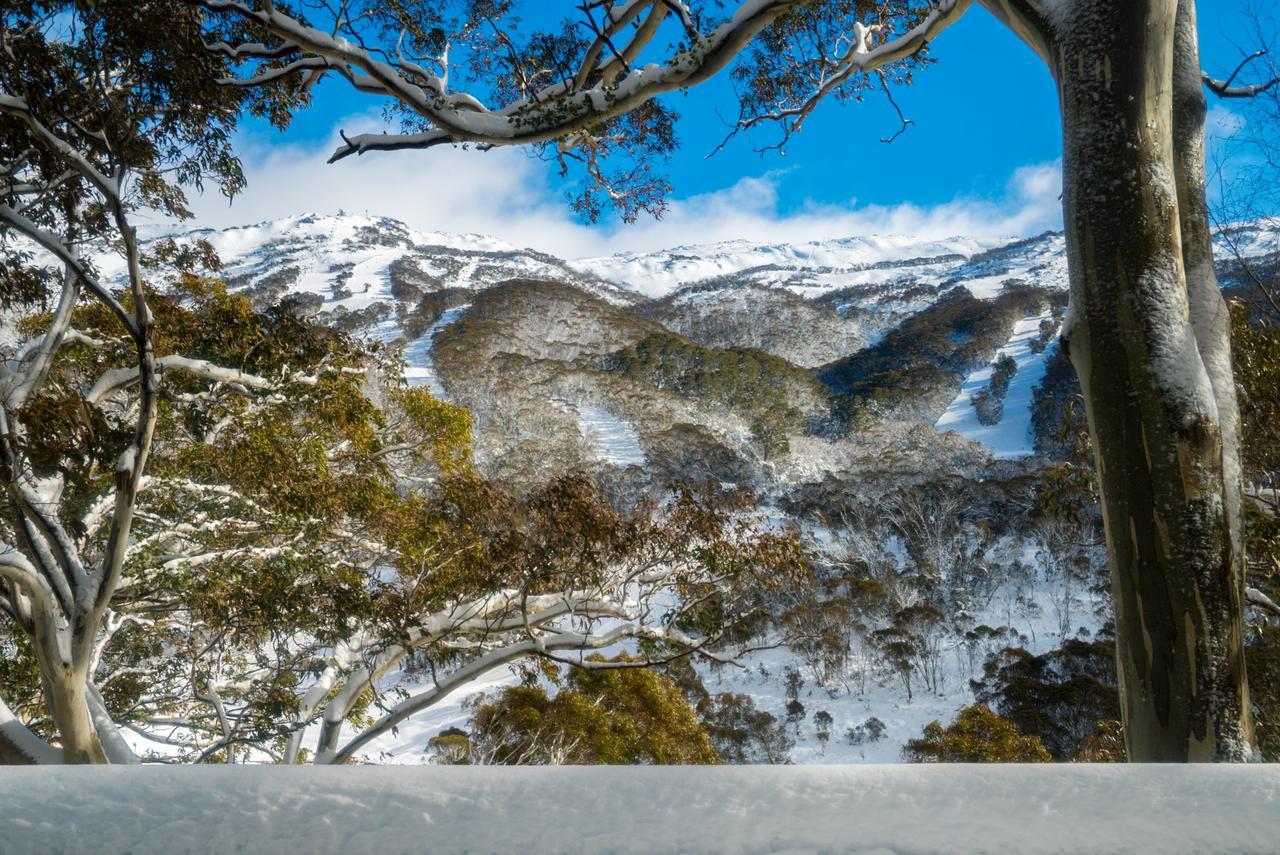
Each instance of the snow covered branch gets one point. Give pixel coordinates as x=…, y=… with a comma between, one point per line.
x=599, y=91
x=1227, y=89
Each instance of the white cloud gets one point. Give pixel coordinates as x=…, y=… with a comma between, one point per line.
x=509, y=194
x=1221, y=123
x=749, y=210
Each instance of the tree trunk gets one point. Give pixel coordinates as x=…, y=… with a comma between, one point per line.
x=1155, y=369
x=76, y=731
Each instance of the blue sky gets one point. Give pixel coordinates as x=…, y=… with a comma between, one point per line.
x=981, y=156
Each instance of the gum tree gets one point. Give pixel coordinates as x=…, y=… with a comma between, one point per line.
x=104, y=110
x=1147, y=330
x=221, y=527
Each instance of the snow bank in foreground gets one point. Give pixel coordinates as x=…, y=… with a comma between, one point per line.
x=898, y=809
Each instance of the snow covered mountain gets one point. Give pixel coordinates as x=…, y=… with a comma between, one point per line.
x=809, y=305
x=853, y=385
x=352, y=261
x=832, y=263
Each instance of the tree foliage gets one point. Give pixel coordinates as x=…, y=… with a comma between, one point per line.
x=621, y=716
x=1059, y=697
x=976, y=736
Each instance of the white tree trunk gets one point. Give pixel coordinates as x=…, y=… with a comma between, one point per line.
x=1154, y=363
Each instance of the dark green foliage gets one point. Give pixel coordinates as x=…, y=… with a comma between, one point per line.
x=988, y=405
x=795, y=714
x=870, y=731
x=614, y=716
x=1002, y=374
x=750, y=382
x=1256, y=361
x=822, y=722
x=1059, y=697
x=1048, y=329
x=741, y=733
x=1263, y=658
x=931, y=350
x=1057, y=413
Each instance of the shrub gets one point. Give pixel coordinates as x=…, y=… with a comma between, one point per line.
x=870, y=731
x=976, y=736
x=751, y=382
x=1002, y=374
x=1059, y=696
x=822, y=722
x=795, y=714
x=612, y=716
x=1104, y=745
x=990, y=409
x=741, y=733
x=931, y=349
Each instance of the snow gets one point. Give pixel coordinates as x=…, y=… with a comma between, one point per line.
x=868, y=809
x=614, y=440
x=656, y=274
x=865, y=689
x=1011, y=437
x=608, y=438
x=420, y=367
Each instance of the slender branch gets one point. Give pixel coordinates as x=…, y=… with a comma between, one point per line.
x=1224, y=89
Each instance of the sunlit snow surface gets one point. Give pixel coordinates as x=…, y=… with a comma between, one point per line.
x=420, y=365
x=843, y=262
x=613, y=440
x=1011, y=437
x=1027, y=809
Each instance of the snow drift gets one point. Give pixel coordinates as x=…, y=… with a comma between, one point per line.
x=883, y=809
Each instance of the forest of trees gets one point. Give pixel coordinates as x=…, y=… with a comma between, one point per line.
x=225, y=526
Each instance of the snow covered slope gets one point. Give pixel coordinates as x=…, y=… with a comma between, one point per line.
x=810, y=303
x=868, y=262
x=613, y=439
x=870, y=809
x=420, y=365
x=1010, y=437
x=352, y=260
x=656, y=274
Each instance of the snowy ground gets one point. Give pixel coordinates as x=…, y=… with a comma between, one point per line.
x=1011, y=437
x=867, y=690
x=869, y=809
x=1030, y=607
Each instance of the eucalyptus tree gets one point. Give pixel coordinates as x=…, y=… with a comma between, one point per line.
x=222, y=527
x=104, y=110
x=1147, y=329
x=313, y=554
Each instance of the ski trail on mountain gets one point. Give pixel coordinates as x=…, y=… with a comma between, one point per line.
x=615, y=441
x=420, y=368
x=1011, y=437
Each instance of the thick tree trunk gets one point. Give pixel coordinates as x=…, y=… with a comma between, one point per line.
x=76, y=731
x=1151, y=362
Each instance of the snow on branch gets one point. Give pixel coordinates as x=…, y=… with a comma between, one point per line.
x=1262, y=601
x=477, y=668
x=553, y=112
x=1226, y=89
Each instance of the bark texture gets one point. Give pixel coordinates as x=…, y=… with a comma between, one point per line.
x=1147, y=335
